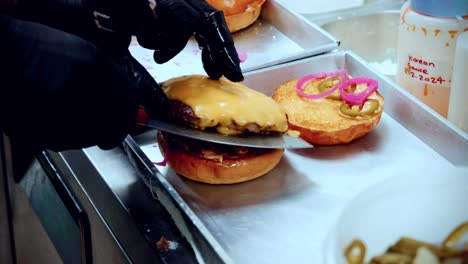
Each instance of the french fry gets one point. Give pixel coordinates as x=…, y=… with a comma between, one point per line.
x=409, y=246
x=412, y=251
x=391, y=258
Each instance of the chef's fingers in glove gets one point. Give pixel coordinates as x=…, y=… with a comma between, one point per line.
x=177, y=20
x=169, y=33
x=210, y=66
x=61, y=92
x=172, y=46
x=150, y=94
x=213, y=35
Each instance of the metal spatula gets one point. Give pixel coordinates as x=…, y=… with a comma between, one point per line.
x=256, y=141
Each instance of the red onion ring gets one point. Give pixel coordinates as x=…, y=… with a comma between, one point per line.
x=165, y=160
x=161, y=163
x=304, y=80
x=360, y=98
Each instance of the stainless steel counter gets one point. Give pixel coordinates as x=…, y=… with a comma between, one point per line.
x=287, y=215
x=282, y=217
x=106, y=184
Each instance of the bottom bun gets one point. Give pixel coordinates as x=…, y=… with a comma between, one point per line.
x=186, y=159
x=343, y=136
x=320, y=121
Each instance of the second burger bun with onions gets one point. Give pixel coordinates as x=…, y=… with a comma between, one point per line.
x=322, y=122
x=228, y=108
x=239, y=14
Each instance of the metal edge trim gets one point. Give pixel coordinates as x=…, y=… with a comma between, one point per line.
x=61, y=162
x=461, y=136
x=306, y=21
x=179, y=203
x=289, y=63
x=409, y=95
x=328, y=48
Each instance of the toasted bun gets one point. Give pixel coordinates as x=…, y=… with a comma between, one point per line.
x=320, y=122
x=184, y=158
x=239, y=14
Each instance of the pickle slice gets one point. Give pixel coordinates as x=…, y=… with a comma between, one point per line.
x=359, y=111
x=327, y=84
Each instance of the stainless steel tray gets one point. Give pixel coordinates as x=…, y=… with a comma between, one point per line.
x=285, y=216
x=277, y=27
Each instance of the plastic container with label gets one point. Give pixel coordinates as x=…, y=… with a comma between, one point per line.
x=458, y=106
x=426, y=45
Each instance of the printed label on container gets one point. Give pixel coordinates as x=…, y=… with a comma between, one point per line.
x=427, y=70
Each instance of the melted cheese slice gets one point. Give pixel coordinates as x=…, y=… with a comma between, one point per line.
x=230, y=107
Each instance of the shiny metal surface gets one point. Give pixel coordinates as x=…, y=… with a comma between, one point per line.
x=317, y=7
x=31, y=240
x=116, y=236
x=126, y=219
x=373, y=37
x=108, y=221
x=206, y=248
x=285, y=216
x=370, y=30
x=278, y=36
x=273, y=141
x=48, y=206
x=367, y=8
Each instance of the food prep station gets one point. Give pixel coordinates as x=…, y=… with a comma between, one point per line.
x=116, y=205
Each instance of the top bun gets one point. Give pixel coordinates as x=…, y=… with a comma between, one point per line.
x=239, y=14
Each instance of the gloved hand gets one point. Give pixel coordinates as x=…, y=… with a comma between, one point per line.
x=151, y=97
x=177, y=20
x=164, y=26
x=59, y=91
x=79, y=17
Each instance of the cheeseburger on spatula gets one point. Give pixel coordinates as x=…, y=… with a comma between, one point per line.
x=230, y=109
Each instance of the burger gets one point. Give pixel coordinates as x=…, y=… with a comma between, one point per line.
x=239, y=14
x=228, y=108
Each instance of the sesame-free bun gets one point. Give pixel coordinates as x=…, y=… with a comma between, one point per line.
x=239, y=14
x=320, y=122
x=185, y=159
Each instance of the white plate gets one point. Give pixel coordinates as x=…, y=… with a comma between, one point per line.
x=425, y=205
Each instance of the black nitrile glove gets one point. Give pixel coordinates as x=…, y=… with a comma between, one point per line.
x=176, y=22
x=81, y=18
x=151, y=97
x=164, y=26
x=59, y=91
